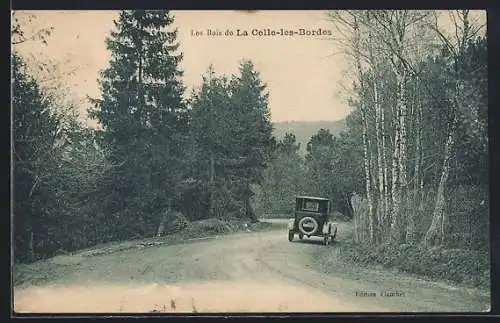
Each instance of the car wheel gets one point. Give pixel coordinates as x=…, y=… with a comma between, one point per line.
x=301, y=236
x=326, y=240
x=290, y=236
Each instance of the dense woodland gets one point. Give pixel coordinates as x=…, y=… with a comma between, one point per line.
x=410, y=168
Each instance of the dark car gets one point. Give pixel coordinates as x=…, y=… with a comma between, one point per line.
x=312, y=218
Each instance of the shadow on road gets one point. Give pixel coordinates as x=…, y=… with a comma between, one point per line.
x=312, y=241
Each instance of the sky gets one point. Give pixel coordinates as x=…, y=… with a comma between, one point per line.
x=301, y=72
x=305, y=74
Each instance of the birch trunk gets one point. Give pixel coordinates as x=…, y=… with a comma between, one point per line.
x=402, y=162
x=395, y=208
x=367, y=175
x=386, y=173
x=377, y=167
x=366, y=156
x=380, y=153
x=436, y=229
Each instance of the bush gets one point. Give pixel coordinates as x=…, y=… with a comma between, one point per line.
x=455, y=265
x=177, y=222
x=209, y=227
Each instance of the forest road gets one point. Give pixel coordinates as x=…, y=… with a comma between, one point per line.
x=243, y=272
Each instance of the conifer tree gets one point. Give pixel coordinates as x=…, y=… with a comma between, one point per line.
x=252, y=131
x=142, y=115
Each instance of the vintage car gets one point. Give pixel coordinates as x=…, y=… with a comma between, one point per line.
x=312, y=218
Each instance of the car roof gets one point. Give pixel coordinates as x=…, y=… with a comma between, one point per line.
x=312, y=198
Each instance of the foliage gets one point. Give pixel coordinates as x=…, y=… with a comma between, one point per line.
x=146, y=166
x=143, y=119
x=57, y=167
x=283, y=179
x=454, y=265
x=232, y=133
x=304, y=130
x=419, y=114
x=213, y=157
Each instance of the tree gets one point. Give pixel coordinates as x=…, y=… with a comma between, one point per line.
x=143, y=117
x=319, y=162
x=36, y=137
x=209, y=113
x=284, y=178
x=465, y=33
x=57, y=162
x=19, y=35
x=372, y=38
x=288, y=145
x=251, y=132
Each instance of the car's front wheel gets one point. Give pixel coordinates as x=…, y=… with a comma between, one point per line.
x=301, y=236
x=290, y=235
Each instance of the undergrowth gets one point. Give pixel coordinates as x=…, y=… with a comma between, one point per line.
x=461, y=266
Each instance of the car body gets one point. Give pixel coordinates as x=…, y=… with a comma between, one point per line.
x=312, y=218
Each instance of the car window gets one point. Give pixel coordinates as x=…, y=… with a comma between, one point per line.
x=311, y=206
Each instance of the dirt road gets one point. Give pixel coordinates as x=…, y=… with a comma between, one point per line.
x=244, y=272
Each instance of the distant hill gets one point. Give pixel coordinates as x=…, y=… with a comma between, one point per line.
x=304, y=130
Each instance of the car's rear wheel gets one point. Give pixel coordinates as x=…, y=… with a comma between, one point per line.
x=290, y=236
x=301, y=236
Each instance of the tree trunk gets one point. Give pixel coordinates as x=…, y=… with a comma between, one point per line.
x=249, y=210
x=350, y=212
x=366, y=159
x=385, y=218
x=212, y=167
x=380, y=152
x=366, y=148
x=418, y=178
x=402, y=162
x=161, y=227
x=386, y=210
x=355, y=216
x=435, y=233
x=395, y=208
x=31, y=245
x=164, y=219
x=421, y=158
x=211, y=176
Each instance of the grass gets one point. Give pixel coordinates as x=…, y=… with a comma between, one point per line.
x=468, y=267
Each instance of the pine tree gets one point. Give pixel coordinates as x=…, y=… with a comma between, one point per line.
x=143, y=116
x=210, y=112
x=251, y=132
x=232, y=131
